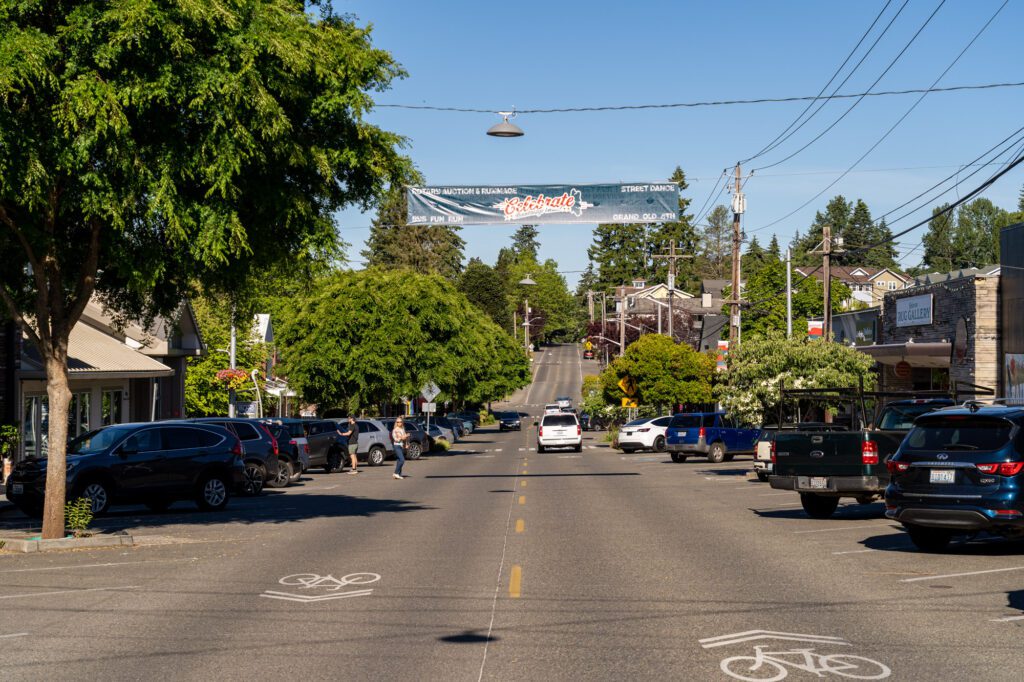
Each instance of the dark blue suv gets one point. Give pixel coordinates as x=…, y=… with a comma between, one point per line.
x=959, y=471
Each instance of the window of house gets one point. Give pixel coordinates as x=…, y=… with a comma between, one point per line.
x=113, y=407
x=892, y=286
x=880, y=284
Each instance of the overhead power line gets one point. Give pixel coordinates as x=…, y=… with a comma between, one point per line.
x=892, y=63
x=714, y=103
x=783, y=135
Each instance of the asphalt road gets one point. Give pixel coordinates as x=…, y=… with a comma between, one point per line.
x=500, y=563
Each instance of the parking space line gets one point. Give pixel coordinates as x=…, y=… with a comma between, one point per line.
x=962, y=575
x=90, y=589
x=14, y=634
x=829, y=530
x=1007, y=619
x=106, y=565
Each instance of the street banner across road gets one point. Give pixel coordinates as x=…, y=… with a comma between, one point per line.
x=517, y=204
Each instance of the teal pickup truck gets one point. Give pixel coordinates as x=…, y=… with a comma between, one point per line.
x=825, y=466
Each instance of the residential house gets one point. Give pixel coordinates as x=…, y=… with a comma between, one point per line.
x=648, y=305
x=868, y=285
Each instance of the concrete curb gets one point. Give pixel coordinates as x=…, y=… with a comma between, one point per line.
x=29, y=546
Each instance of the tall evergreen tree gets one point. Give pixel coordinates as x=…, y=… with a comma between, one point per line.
x=620, y=253
x=862, y=231
x=753, y=260
x=939, y=253
x=525, y=243
x=435, y=249
x=487, y=290
x=837, y=214
x=685, y=237
x=717, y=244
x=773, y=248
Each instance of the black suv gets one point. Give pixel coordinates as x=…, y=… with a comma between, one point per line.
x=509, y=421
x=147, y=463
x=261, y=450
x=324, y=450
x=959, y=471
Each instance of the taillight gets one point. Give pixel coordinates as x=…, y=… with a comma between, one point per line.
x=540, y=430
x=579, y=430
x=700, y=432
x=237, y=449
x=772, y=450
x=1001, y=468
x=869, y=452
x=896, y=467
x=644, y=430
x=305, y=448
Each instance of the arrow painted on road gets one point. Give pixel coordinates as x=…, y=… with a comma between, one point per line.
x=311, y=598
x=752, y=635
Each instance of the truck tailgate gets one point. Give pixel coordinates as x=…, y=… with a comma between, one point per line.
x=834, y=453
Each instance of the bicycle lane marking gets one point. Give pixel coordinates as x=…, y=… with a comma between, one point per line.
x=772, y=665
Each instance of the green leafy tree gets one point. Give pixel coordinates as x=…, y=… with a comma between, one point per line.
x=487, y=290
x=554, y=312
x=666, y=373
x=749, y=388
x=976, y=240
x=370, y=337
x=205, y=394
x=684, y=235
x=766, y=292
x=525, y=243
x=717, y=244
x=392, y=243
x=147, y=146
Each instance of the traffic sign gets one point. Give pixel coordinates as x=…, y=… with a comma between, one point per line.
x=629, y=402
x=429, y=407
x=628, y=385
x=588, y=346
x=430, y=391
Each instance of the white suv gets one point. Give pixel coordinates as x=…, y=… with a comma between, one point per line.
x=559, y=431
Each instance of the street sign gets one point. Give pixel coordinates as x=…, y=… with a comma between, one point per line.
x=629, y=402
x=429, y=407
x=588, y=346
x=628, y=385
x=430, y=391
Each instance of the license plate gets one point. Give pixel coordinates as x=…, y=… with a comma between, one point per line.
x=942, y=476
x=819, y=482
x=17, y=488
x=682, y=434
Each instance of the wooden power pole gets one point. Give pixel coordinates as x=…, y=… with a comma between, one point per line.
x=671, y=257
x=826, y=249
x=739, y=205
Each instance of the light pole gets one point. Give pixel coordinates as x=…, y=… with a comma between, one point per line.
x=526, y=282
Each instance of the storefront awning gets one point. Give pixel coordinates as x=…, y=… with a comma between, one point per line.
x=933, y=354
x=92, y=354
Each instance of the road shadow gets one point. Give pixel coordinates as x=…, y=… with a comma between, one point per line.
x=724, y=472
x=468, y=637
x=982, y=545
x=853, y=512
x=599, y=474
x=274, y=507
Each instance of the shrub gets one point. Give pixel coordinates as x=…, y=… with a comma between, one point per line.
x=78, y=515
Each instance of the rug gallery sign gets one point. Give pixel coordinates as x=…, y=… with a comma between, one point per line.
x=617, y=203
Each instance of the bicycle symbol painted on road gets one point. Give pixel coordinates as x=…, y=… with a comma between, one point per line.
x=771, y=666
x=327, y=585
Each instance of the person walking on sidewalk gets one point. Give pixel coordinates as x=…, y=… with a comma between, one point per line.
x=353, y=444
x=399, y=437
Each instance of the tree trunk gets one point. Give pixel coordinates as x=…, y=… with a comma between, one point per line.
x=56, y=355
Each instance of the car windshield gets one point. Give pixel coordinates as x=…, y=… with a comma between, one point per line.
x=98, y=441
x=559, y=420
x=901, y=417
x=959, y=432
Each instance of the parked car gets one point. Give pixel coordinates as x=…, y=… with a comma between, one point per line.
x=959, y=471
x=825, y=467
x=559, y=430
x=443, y=431
x=457, y=428
x=293, y=454
x=712, y=434
x=763, y=466
x=470, y=415
x=419, y=443
x=324, y=451
x=509, y=421
x=466, y=425
x=435, y=433
x=586, y=423
x=154, y=464
x=564, y=402
x=260, y=449
x=644, y=434
x=374, y=444
x=588, y=354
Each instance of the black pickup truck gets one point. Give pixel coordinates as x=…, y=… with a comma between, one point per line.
x=826, y=466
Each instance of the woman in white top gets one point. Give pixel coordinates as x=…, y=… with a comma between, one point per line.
x=399, y=437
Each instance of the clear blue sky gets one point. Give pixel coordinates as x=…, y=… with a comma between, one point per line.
x=580, y=54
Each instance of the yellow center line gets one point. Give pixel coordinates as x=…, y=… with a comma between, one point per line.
x=522, y=499
x=520, y=525
x=515, y=582
x=522, y=484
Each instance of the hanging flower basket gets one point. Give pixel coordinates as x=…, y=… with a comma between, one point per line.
x=233, y=378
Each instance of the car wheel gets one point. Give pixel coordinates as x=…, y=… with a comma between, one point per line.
x=579, y=448
x=413, y=451
x=629, y=451
x=253, y=479
x=678, y=458
x=296, y=473
x=98, y=493
x=375, y=457
x=817, y=506
x=213, y=492
x=284, y=474
x=929, y=539
x=158, y=506
x=540, y=448
x=716, y=454
x=762, y=475
x=659, y=444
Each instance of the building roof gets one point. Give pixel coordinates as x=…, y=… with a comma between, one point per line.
x=850, y=274
x=94, y=354
x=166, y=336
x=936, y=277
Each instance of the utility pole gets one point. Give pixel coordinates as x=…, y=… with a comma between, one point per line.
x=590, y=303
x=621, y=304
x=515, y=322
x=739, y=206
x=789, y=293
x=671, y=257
x=231, y=359
x=826, y=250
x=526, y=324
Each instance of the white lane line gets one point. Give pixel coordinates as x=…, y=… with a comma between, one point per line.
x=570, y=456
x=14, y=634
x=830, y=530
x=47, y=594
x=330, y=487
x=522, y=449
x=107, y=565
x=485, y=456
x=1007, y=619
x=962, y=575
x=783, y=492
x=855, y=551
x=498, y=450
